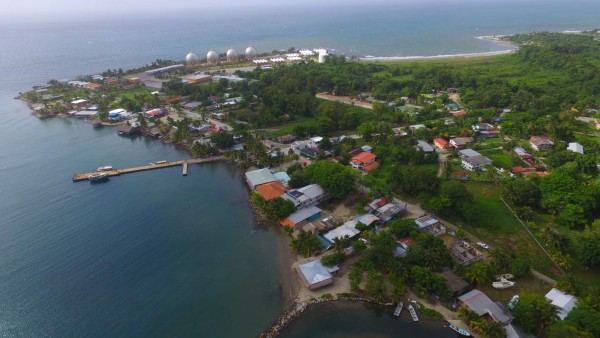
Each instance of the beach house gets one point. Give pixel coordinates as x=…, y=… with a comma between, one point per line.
x=301, y=217
x=255, y=178
x=315, y=275
x=306, y=196
x=271, y=190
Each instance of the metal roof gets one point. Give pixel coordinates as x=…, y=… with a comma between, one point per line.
x=481, y=304
x=260, y=176
x=346, y=229
x=469, y=153
x=303, y=214
x=315, y=272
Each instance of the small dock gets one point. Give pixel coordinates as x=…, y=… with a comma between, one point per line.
x=118, y=172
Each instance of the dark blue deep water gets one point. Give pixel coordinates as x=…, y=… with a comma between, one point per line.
x=155, y=253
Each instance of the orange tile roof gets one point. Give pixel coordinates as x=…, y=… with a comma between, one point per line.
x=269, y=191
x=370, y=166
x=364, y=157
x=441, y=142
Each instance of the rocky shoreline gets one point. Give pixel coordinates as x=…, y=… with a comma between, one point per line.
x=297, y=308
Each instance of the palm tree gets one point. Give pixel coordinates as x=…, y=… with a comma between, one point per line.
x=305, y=244
x=499, y=258
x=568, y=284
x=478, y=273
x=339, y=244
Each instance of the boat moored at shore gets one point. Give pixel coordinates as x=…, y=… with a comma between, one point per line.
x=98, y=177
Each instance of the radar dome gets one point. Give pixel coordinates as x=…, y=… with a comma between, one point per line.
x=232, y=55
x=192, y=59
x=212, y=56
x=250, y=52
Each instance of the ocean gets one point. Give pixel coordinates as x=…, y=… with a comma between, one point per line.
x=155, y=253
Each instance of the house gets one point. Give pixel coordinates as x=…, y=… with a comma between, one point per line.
x=116, y=115
x=346, y=229
x=362, y=160
x=388, y=211
x=475, y=163
x=400, y=251
x=465, y=253
x=565, y=303
x=482, y=127
x=306, y=196
x=79, y=104
x=298, y=146
x=271, y=190
x=430, y=225
x=286, y=139
x=461, y=142
x=464, y=153
x=575, y=147
x=455, y=284
x=126, y=129
x=482, y=305
x=524, y=155
x=282, y=176
x=459, y=113
x=301, y=217
x=541, y=143
x=315, y=275
x=441, y=143
x=416, y=127
x=424, y=146
x=255, y=178
x=367, y=219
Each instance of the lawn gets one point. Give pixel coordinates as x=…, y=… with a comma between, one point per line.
x=131, y=93
x=501, y=158
x=284, y=129
x=497, y=226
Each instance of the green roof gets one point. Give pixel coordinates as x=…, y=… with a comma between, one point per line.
x=260, y=176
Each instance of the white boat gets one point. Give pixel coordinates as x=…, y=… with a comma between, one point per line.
x=503, y=284
x=105, y=168
x=413, y=313
x=505, y=276
x=513, y=302
x=459, y=330
x=398, y=309
x=98, y=177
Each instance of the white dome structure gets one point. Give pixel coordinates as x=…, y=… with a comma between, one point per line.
x=212, y=56
x=250, y=52
x=192, y=59
x=232, y=55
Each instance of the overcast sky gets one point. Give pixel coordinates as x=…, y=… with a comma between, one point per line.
x=55, y=9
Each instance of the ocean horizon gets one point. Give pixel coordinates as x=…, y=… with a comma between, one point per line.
x=156, y=253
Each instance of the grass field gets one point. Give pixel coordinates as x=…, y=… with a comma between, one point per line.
x=496, y=225
x=131, y=93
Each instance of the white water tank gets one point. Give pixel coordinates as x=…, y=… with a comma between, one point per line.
x=323, y=57
x=212, y=56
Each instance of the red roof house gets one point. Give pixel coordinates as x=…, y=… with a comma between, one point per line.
x=271, y=190
x=363, y=159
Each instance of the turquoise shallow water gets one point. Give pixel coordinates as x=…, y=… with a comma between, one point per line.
x=155, y=253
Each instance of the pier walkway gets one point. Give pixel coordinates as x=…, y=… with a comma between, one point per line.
x=118, y=172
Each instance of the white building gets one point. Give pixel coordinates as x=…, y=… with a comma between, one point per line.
x=476, y=163
x=565, y=303
x=575, y=147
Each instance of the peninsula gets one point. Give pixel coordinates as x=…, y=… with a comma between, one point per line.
x=431, y=182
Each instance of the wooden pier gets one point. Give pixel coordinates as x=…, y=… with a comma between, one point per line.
x=118, y=172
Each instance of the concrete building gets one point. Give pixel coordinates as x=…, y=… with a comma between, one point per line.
x=575, y=147
x=255, y=178
x=475, y=163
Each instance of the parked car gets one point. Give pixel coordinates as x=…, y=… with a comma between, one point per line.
x=483, y=245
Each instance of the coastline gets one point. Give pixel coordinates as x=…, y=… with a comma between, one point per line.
x=497, y=39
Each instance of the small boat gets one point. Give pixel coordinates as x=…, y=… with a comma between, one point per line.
x=161, y=162
x=98, y=177
x=105, y=168
x=398, y=309
x=505, y=276
x=503, y=284
x=459, y=330
x=413, y=313
x=513, y=302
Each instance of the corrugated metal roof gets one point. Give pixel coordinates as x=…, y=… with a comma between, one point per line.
x=314, y=272
x=302, y=214
x=260, y=176
x=481, y=304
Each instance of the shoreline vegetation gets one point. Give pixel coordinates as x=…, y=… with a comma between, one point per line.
x=514, y=95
